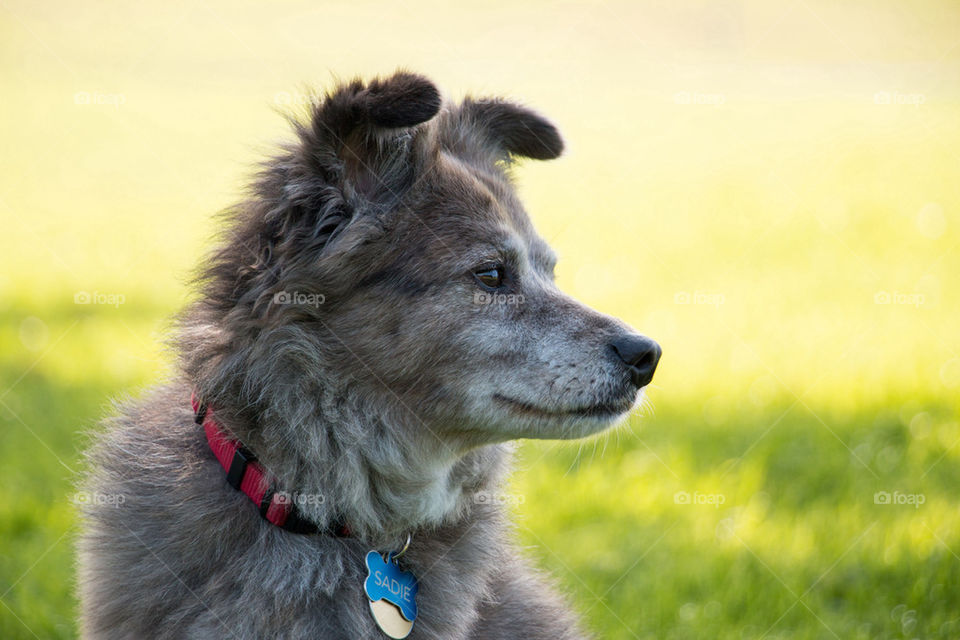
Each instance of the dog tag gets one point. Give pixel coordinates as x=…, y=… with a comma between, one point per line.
x=392, y=593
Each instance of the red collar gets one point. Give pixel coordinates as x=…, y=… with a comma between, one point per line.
x=246, y=474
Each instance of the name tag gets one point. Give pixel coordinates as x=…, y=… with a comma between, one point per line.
x=387, y=583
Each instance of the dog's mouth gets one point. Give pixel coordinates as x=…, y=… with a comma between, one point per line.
x=607, y=410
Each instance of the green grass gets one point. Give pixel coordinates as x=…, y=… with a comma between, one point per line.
x=787, y=397
x=797, y=549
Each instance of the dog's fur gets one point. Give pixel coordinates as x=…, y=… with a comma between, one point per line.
x=391, y=393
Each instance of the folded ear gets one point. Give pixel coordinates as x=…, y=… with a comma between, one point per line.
x=359, y=138
x=402, y=100
x=357, y=151
x=514, y=129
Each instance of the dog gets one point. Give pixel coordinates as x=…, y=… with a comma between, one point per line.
x=376, y=325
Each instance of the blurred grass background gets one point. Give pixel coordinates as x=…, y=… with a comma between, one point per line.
x=768, y=189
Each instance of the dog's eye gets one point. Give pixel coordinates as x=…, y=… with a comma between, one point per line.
x=489, y=275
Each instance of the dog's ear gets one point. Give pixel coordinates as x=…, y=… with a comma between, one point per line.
x=357, y=150
x=513, y=129
x=403, y=100
x=360, y=136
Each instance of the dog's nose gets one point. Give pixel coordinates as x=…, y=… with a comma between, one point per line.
x=640, y=354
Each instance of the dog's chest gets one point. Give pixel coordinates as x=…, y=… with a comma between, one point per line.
x=450, y=585
x=452, y=575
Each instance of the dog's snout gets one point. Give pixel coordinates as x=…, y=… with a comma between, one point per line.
x=640, y=354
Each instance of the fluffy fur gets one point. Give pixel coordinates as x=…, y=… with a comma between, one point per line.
x=341, y=333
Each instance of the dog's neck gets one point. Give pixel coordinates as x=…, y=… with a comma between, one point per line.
x=381, y=473
x=355, y=456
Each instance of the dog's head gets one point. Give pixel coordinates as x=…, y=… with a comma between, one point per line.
x=387, y=250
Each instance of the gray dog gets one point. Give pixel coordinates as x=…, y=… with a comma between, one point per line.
x=378, y=322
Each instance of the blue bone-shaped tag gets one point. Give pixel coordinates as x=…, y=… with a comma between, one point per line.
x=386, y=581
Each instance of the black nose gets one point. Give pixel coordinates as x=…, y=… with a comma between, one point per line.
x=640, y=354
